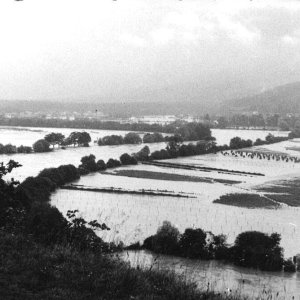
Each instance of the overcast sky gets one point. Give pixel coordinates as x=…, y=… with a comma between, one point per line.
x=146, y=49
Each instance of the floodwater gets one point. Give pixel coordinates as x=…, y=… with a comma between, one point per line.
x=224, y=278
x=132, y=218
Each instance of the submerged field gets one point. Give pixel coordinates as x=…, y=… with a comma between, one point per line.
x=133, y=217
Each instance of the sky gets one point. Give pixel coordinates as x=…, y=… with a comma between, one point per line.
x=146, y=50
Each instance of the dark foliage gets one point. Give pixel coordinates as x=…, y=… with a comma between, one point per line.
x=41, y=146
x=258, y=250
x=127, y=159
x=113, y=163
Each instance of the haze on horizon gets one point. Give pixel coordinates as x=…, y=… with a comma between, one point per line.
x=142, y=50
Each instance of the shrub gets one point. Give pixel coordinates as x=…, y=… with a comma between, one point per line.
x=258, y=250
x=289, y=266
x=8, y=149
x=126, y=159
x=192, y=243
x=24, y=149
x=41, y=146
x=153, y=138
x=132, y=138
x=143, y=154
x=89, y=163
x=165, y=240
x=111, y=140
x=113, y=163
x=101, y=165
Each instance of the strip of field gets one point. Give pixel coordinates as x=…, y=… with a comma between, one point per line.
x=163, y=193
x=168, y=176
x=247, y=200
x=285, y=191
x=200, y=168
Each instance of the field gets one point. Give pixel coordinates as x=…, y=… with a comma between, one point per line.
x=133, y=217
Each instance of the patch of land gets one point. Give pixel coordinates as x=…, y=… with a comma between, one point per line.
x=169, y=176
x=247, y=200
x=200, y=168
x=163, y=193
x=285, y=191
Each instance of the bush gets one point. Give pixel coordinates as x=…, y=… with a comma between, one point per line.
x=101, y=165
x=111, y=140
x=258, y=250
x=165, y=240
x=89, y=163
x=153, y=138
x=237, y=143
x=143, y=154
x=8, y=149
x=24, y=149
x=113, y=163
x=192, y=243
x=289, y=266
x=132, y=138
x=161, y=154
x=41, y=146
x=126, y=159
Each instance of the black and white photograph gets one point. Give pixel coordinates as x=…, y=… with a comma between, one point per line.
x=149, y=150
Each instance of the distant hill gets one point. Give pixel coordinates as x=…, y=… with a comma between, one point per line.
x=282, y=99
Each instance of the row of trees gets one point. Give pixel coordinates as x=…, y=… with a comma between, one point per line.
x=11, y=149
x=257, y=120
x=52, y=139
x=251, y=249
x=129, y=138
x=183, y=132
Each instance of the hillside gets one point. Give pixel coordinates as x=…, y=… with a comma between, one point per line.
x=282, y=99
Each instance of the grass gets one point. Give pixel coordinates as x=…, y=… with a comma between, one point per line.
x=32, y=271
x=247, y=200
x=169, y=176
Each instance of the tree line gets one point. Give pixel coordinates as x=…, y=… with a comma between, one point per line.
x=52, y=139
x=251, y=249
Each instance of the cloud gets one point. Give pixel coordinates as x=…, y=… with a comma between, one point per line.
x=133, y=40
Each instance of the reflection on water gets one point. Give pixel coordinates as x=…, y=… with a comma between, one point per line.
x=221, y=277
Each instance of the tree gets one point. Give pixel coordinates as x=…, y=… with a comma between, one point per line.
x=132, y=138
x=101, y=165
x=143, y=154
x=41, y=146
x=258, y=250
x=54, y=138
x=111, y=140
x=113, y=163
x=153, y=138
x=8, y=205
x=78, y=138
x=89, y=163
x=166, y=239
x=126, y=159
x=192, y=243
x=283, y=125
x=84, y=139
x=24, y=149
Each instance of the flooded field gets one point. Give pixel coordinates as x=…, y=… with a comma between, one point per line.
x=132, y=218
x=227, y=279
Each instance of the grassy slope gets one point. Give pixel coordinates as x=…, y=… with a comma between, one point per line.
x=31, y=271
